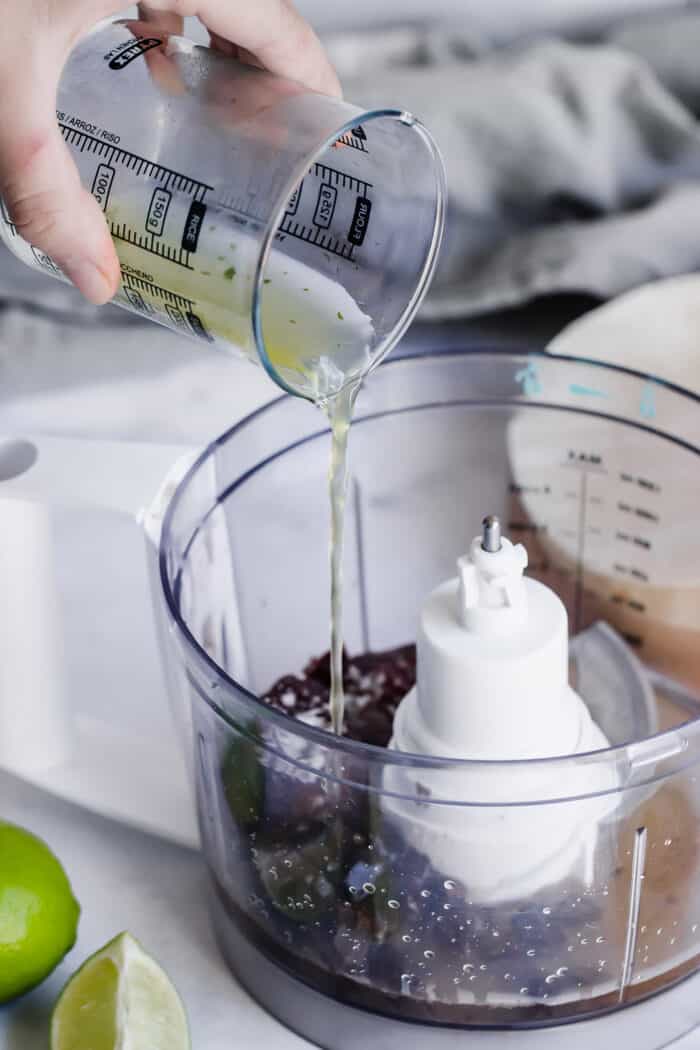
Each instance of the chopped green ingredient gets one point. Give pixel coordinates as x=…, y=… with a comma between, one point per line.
x=305, y=289
x=340, y=316
x=221, y=258
x=206, y=273
x=230, y=273
x=267, y=280
x=291, y=321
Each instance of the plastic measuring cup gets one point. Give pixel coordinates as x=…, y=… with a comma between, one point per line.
x=248, y=211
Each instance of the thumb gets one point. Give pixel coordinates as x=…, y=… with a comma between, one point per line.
x=41, y=186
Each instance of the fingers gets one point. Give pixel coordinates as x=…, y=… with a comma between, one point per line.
x=272, y=30
x=41, y=186
x=167, y=20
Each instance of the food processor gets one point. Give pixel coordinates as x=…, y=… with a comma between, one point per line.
x=418, y=895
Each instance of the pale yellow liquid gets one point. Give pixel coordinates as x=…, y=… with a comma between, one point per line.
x=339, y=410
x=315, y=334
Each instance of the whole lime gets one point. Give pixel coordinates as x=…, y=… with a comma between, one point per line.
x=38, y=912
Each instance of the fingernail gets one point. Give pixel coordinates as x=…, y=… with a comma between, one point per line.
x=90, y=280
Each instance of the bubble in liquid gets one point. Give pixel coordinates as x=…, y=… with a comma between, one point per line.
x=447, y=907
x=667, y=842
x=483, y=966
x=546, y=911
x=449, y=884
x=369, y=888
x=495, y=933
x=393, y=904
x=570, y=948
x=530, y=953
x=406, y=979
x=600, y=940
x=642, y=929
x=693, y=929
x=466, y=967
x=562, y=970
x=659, y=931
x=428, y=954
x=425, y=893
x=550, y=978
x=406, y=938
x=584, y=940
x=523, y=991
x=287, y=862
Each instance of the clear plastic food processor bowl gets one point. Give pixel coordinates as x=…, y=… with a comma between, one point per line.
x=323, y=904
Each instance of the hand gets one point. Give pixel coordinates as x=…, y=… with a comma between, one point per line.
x=38, y=179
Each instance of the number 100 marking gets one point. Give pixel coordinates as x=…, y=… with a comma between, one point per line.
x=157, y=212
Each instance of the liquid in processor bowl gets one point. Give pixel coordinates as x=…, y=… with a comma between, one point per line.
x=317, y=885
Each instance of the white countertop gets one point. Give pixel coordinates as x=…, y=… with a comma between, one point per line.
x=126, y=880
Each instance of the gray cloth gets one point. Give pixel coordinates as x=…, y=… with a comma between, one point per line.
x=571, y=167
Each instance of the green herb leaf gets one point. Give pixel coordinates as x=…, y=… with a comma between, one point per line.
x=230, y=273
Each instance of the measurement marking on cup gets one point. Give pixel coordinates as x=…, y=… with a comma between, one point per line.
x=578, y=600
x=335, y=185
x=102, y=184
x=140, y=284
x=114, y=157
x=356, y=138
x=148, y=243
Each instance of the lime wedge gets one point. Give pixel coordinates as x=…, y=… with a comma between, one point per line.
x=120, y=999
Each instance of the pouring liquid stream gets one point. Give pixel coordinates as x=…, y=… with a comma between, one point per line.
x=339, y=410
